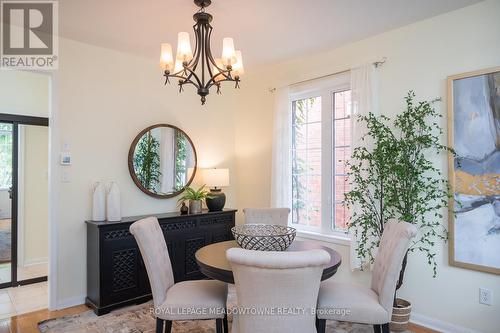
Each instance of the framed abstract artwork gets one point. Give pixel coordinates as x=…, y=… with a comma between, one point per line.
x=474, y=172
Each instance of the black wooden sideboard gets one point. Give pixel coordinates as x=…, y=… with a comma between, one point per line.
x=116, y=275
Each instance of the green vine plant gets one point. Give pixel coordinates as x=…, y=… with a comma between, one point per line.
x=393, y=177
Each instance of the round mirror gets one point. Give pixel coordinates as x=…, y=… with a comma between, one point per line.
x=162, y=161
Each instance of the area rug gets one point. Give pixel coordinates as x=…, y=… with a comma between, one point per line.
x=5, y=245
x=138, y=319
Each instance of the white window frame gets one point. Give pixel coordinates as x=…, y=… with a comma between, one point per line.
x=325, y=88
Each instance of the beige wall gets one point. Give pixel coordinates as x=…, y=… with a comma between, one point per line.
x=34, y=193
x=24, y=93
x=420, y=57
x=105, y=98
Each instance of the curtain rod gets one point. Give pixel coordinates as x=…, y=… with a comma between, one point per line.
x=377, y=64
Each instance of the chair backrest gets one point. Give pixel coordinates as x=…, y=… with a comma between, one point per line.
x=277, y=216
x=270, y=282
x=392, y=249
x=154, y=251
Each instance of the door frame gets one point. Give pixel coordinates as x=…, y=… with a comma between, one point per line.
x=17, y=120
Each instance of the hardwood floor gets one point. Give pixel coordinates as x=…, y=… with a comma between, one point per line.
x=28, y=323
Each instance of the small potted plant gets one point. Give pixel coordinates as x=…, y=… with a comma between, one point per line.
x=195, y=198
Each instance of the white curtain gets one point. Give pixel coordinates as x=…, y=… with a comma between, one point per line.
x=364, y=97
x=167, y=160
x=281, y=174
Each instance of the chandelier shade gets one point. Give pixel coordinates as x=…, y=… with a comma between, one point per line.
x=200, y=68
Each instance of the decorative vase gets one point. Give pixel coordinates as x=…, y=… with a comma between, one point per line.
x=400, y=315
x=194, y=206
x=184, y=209
x=98, y=202
x=217, y=201
x=113, y=203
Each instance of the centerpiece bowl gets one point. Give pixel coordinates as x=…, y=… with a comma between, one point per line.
x=263, y=237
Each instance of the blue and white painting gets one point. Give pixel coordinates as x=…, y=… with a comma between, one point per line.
x=476, y=171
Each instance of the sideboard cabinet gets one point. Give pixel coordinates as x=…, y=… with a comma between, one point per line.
x=116, y=275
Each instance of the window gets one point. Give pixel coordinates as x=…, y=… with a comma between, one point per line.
x=5, y=156
x=321, y=143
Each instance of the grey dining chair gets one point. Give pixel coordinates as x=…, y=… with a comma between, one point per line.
x=269, y=281
x=186, y=300
x=369, y=305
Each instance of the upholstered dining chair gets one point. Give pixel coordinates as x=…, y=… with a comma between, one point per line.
x=277, y=216
x=369, y=305
x=272, y=283
x=187, y=300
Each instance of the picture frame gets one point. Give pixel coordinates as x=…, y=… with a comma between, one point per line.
x=473, y=132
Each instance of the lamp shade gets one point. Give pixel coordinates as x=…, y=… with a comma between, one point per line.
x=216, y=177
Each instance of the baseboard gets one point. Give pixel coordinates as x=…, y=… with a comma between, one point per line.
x=438, y=325
x=69, y=302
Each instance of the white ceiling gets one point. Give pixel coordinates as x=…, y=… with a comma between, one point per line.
x=266, y=31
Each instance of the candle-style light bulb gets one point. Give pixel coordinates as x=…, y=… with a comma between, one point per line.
x=178, y=67
x=238, y=69
x=166, y=57
x=184, y=51
x=228, y=53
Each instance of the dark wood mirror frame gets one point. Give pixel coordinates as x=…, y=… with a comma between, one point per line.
x=131, y=162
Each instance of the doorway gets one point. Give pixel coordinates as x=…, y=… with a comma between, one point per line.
x=23, y=200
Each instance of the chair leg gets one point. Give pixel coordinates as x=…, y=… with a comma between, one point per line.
x=168, y=326
x=159, y=325
x=385, y=328
x=376, y=329
x=218, y=326
x=224, y=322
x=320, y=325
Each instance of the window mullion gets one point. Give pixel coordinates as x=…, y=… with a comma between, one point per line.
x=326, y=161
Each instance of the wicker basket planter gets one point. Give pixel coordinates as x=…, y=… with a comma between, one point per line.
x=400, y=315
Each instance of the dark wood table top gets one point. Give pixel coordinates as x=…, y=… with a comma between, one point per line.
x=213, y=263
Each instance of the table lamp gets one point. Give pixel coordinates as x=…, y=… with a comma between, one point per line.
x=215, y=179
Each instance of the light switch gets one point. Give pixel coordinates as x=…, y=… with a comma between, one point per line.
x=65, y=176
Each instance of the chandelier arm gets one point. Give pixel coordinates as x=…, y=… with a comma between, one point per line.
x=196, y=46
x=191, y=67
x=181, y=78
x=225, y=73
x=204, y=50
x=210, y=59
x=212, y=82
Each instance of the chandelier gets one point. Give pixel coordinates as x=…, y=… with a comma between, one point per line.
x=200, y=68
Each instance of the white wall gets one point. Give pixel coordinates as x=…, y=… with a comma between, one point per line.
x=420, y=57
x=24, y=93
x=105, y=99
x=33, y=221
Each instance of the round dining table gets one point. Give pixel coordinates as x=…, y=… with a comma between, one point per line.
x=213, y=263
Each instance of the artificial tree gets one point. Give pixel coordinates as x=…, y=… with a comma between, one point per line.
x=392, y=176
